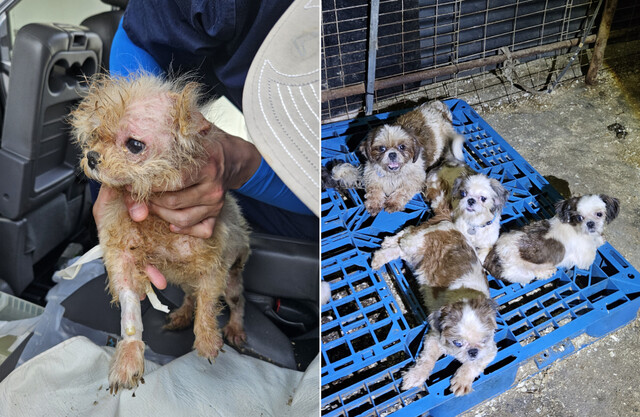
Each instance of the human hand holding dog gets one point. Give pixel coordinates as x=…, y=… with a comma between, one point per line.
x=193, y=209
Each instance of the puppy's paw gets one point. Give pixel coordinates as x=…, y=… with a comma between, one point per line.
x=378, y=260
x=394, y=205
x=127, y=365
x=234, y=333
x=373, y=206
x=179, y=320
x=209, y=344
x=461, y=381
x=414, y=377
x=546, y=273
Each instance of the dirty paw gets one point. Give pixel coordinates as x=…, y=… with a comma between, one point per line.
x=415, y=377
x=235, y=334
x=179, y=320
x=209, y=345
x=127, y=366
x=461, y=383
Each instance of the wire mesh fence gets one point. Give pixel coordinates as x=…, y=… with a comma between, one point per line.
x=418, y=35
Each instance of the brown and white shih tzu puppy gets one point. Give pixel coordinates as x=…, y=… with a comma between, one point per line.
x=398, y=155
x=568, y=239
x=462, y=316
x=476, y=200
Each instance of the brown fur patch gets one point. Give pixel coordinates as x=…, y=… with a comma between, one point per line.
x=534, y=248
x=447, y=257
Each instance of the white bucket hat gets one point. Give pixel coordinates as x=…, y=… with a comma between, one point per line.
x=281, y=100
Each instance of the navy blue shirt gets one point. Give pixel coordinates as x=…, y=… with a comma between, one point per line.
x=215, y=38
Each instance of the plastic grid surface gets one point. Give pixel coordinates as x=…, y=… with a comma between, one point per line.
x=372, y=328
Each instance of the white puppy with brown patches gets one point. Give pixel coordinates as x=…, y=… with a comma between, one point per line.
x=462, y=316
x=568, y=239
x=398, y=155
x=476, y=200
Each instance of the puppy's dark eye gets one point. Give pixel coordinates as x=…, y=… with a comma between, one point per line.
x=579, y=218
x=135, y=146
x=599, y=214
x=463, y=194
x=456, y=343
x=382, y=148
x=402, y=147
x=483, y=199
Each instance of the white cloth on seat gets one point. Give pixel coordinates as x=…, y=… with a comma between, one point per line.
x=71, y=379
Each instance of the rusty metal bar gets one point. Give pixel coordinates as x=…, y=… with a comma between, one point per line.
x=601, y=43
x=357, y=89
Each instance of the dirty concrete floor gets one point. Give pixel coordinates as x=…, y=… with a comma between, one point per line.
x=565, y=137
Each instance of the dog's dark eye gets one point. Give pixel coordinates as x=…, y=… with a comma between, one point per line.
x=402, y=147
x=483, y=199
x=579, y=218
x=463, y=194
x=456, y=343
x=382, y=148
x=134, y=146
x=599, y=214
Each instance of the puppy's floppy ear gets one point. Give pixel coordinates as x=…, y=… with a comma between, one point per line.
x=455, y=190
x=435, y=319
x=416, y=148
x=565, y=208
x=613, y=206
x=367, y=143
x=501, y=194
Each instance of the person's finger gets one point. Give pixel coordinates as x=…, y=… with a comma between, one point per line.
x=202, y=230
x=137, y=211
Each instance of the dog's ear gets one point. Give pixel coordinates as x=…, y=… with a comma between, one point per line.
x=501, y=194
x=367, y=143
x=435, y=319
x=613, y=206
x=455, y=190
x=416, y=147
x=565, y=208
x=188, y=118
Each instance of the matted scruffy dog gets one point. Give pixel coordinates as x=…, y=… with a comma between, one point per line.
x=475, y=199
x=462, y=316
x=148, y=134
x=568, y=239
x=398, y=155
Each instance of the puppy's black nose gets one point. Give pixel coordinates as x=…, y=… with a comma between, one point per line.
x=591, y=224
x=93, y=158
x=393, y=156
x=471, y=201
x=473, y=353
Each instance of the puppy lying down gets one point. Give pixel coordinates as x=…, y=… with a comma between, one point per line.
x=148, y=134
x=462, y=316
x=568, y=239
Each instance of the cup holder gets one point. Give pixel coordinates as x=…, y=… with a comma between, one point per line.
x=62, y=75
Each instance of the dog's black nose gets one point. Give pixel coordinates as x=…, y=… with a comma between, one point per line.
x=591, y=224
x=93, y=158
x=471, y=201
x=393, y=156
x=473, y=353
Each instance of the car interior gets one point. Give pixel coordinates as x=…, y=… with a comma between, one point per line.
x=45, y=204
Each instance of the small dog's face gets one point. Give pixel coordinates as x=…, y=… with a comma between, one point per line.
x=390, y=148
x=478, y=198
x=137, y=132
x=589, y=212
x=466, y=328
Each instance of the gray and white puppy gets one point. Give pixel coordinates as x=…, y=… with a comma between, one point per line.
x=568, y=239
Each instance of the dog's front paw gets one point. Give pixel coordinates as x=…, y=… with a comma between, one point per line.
x=127, y=365
x=414, y=377
x=378, y=260
x=235, y=334
x=373, y=206
x=546, y=273
x=394, y=205
x=209, y=344
x=461, y=381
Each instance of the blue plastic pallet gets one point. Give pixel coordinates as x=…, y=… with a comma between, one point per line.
x=372, y=329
